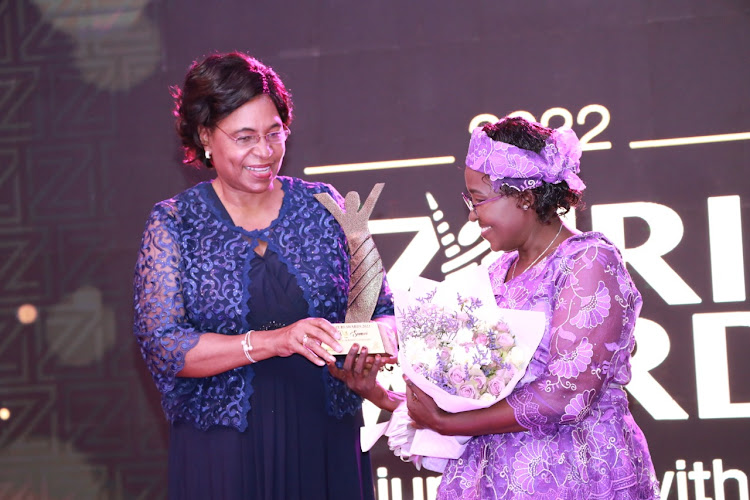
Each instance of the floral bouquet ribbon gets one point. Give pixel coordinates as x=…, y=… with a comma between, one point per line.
x=463, y=351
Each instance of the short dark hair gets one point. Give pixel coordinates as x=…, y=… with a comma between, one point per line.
x=549, y=199
x=217, y=86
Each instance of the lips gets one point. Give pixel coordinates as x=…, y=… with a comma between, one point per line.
x=258, y=169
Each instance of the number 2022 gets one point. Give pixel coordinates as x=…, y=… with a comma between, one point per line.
x=567, y=116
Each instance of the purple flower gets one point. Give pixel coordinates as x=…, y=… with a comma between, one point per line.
x=496, y=385
x=504, y=340
x=457, y=375
x=468, y=391
x=479, y=380
x=502, y=326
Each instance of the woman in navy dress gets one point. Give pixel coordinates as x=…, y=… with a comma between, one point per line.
x=236, y=285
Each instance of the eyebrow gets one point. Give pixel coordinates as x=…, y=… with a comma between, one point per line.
x=250, y=129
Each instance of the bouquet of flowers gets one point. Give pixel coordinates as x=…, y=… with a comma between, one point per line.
x=457, y=351
x=463, y=351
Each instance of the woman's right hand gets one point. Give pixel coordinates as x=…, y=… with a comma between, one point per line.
x=305, y=337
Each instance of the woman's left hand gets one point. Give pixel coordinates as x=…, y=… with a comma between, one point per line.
x=359, y=371
x=423, y=410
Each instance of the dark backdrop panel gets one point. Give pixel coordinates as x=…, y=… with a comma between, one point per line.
x=87, y=147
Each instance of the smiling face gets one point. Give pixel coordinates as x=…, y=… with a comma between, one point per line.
x=242, y=169
x=503, y=222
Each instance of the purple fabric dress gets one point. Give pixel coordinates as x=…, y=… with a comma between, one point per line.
x=582, y=442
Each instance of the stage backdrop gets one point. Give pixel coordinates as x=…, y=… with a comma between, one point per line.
x=658, y=92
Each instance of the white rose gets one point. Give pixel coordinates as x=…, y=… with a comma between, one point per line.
x=462, y=356
x=475, y=369
x=426, y=356
x=487, y=397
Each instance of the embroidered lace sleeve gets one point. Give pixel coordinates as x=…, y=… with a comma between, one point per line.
x=593, y=309
x=160, y=325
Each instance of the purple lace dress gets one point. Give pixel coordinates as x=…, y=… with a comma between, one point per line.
x=282, y=428
x=582, y=442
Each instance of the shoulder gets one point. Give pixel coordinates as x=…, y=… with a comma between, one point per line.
x=306, y=189
x=176, y=207
x=590, y=260
x=588, y=243
x=296, y=184
x=589, y=254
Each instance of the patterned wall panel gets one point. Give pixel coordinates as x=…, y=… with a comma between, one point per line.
x=10, y=186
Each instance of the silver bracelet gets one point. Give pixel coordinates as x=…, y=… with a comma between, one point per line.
x=247, y=346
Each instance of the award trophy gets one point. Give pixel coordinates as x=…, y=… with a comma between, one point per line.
x=365, y=276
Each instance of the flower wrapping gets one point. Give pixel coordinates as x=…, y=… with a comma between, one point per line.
x=462, y=350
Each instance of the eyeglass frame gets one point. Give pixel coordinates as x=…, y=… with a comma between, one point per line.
x=286, y=131
x=473, y=206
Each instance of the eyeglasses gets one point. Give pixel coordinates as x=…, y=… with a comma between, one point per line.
x=248, y=141
x=473, y=206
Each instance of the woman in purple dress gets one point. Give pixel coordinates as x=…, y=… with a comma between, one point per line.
x=565, y=432
x=237, y=283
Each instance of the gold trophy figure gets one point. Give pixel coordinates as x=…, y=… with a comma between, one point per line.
x=366, y=271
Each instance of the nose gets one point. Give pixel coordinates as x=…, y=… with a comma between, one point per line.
x=263, y=149
x=473, y=217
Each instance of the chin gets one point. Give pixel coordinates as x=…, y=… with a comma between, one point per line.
x=493, y=244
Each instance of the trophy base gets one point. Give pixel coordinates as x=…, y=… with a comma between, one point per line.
x=364, y=335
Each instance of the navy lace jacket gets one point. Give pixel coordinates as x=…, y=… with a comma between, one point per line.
x=192, y=277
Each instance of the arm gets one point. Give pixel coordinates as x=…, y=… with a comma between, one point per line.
x=215, y=353
x=594, y=307
x=359, y=373
x=169, y=343
x=361, y=368
x=425, y=413
x=160, y=325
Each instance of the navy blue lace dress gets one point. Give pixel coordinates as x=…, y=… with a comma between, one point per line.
x=282, y=428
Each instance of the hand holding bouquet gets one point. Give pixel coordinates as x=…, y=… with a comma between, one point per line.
x=466, y=353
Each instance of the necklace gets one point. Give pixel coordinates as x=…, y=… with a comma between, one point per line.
x=515, y=263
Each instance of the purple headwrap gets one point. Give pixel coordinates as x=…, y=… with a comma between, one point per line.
x=522, y=169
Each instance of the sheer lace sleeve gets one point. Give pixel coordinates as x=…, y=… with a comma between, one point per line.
x=593, y=309
x=160, y=324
